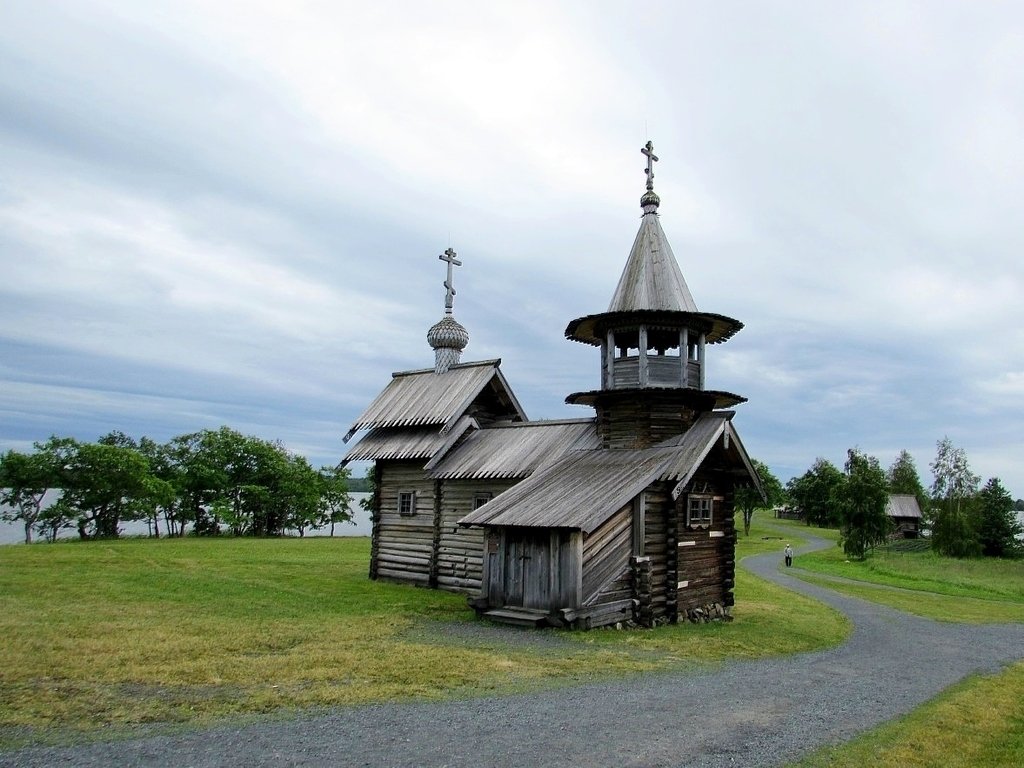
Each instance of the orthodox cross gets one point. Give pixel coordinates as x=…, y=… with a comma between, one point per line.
x=651, y=160
x=449, y=256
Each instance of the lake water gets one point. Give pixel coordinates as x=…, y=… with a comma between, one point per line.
x=14, y=533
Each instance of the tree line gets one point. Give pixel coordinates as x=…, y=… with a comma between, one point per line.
x=206, y=482
x=965, y=518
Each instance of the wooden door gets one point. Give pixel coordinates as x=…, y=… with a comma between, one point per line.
x=528, y=569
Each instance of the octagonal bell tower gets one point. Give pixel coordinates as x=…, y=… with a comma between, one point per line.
x=653, y=343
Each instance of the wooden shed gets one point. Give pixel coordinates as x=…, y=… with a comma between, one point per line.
x=905, y=513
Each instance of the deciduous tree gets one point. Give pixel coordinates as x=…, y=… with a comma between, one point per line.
x=749, y=498
x=953, y=491
x=812, y=493
x=105, y=484
x=24, y=480
x=860, y=500
x=334, y=495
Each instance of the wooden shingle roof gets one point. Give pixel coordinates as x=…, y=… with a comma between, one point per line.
x=651, y=279
x=515, y=450
x=398, y=443
x=584, y=488
x=422, y=398
x=903, y=505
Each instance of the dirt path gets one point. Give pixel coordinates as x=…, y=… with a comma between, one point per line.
x=763, y=713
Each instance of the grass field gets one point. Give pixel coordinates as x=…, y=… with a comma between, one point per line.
x=109, y=636
x=975, y=590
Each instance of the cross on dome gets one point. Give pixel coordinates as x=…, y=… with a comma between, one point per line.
x=651, y=160
x=449, y=298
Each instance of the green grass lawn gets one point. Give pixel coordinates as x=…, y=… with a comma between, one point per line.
x=109, y=636
x=105, y=638
x=974, y=590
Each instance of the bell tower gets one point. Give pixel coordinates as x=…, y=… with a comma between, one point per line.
x=653, y=343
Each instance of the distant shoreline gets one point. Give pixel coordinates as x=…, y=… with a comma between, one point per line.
x=14, y=533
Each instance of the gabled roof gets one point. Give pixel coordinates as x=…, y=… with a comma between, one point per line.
x=514, y=450
x=652, y=279
x=902, y=505
x=423, y=397
x=584, y=488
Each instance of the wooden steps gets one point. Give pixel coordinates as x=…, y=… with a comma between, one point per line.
x=520, y=617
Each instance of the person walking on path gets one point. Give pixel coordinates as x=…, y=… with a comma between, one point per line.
x=789, y=555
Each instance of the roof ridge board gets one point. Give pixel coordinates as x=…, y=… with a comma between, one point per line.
x=537, y=423
x=494, y=362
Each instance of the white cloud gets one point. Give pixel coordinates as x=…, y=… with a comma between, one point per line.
x=251, y=197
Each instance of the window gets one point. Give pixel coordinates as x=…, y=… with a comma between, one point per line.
x=698, y=513
x=479, y=499
x=407, y=503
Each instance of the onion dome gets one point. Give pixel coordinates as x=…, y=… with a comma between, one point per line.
x=448, y=333
x=650, y=201
x=448, y=337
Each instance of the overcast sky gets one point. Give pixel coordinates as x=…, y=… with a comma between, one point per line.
x=230, y=213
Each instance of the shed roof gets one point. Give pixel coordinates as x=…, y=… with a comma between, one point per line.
x=584, y=488
x=424, y=397
x=407, y=442
x=902, y=505
x=514, y=450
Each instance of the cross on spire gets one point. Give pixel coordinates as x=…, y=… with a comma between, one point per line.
x=651, y=160
x=449, y=298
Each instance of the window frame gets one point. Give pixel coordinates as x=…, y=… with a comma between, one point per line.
x=480, y=498
x=409, y=496
x=704, y=505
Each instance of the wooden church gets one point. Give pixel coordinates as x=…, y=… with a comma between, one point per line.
x=626, y=516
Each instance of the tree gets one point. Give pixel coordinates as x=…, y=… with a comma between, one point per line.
x=903, y=478
x=749, y=498
x=24, y=480
x=334, y=498
x=953, y=492
x=860, y=500
x=812, y=492
x=104, y=484
x=997, y=527
x=300, y=491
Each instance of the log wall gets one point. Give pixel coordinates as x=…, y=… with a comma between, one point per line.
x=459, y=559
x=643, y=421
x=707, y=556
x=428, y=547
x=404, y=545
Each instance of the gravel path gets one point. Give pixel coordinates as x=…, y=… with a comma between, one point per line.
x=763, y=713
